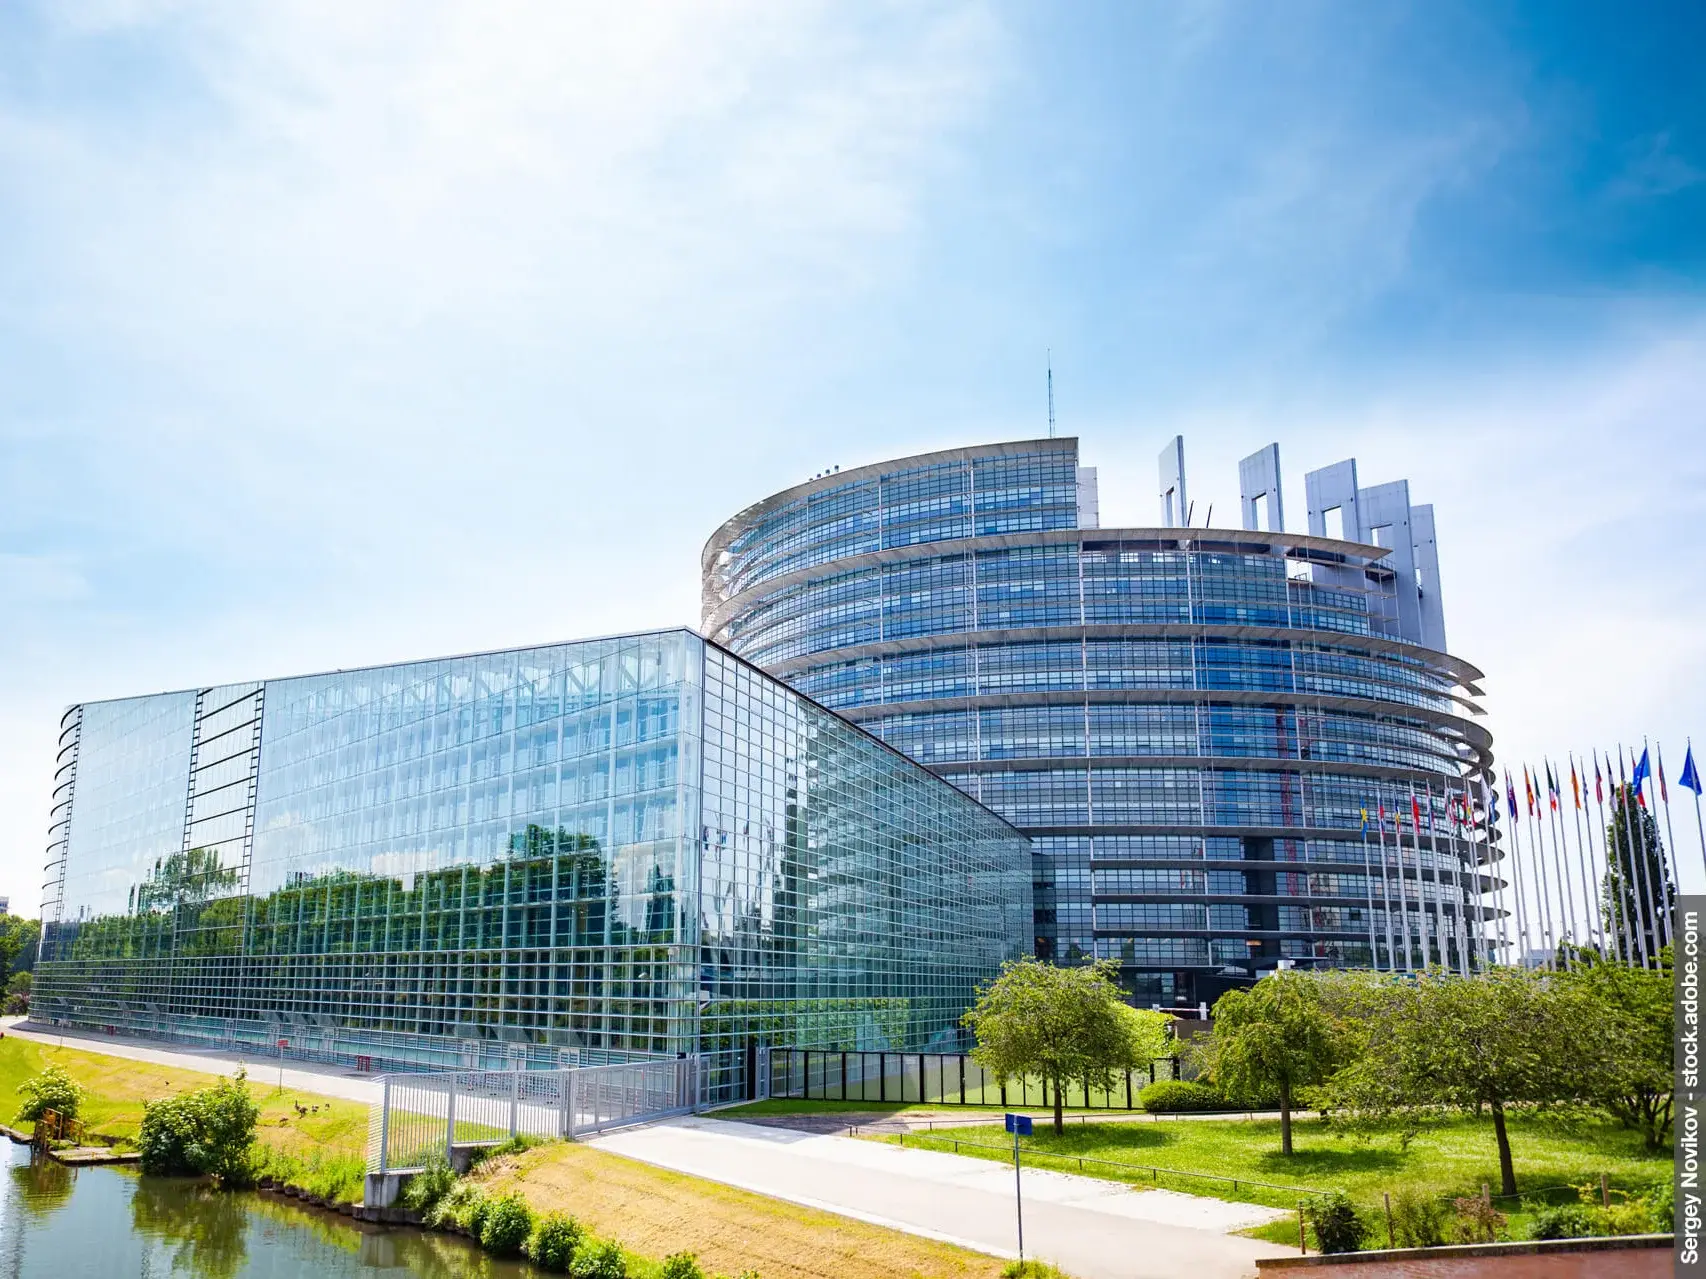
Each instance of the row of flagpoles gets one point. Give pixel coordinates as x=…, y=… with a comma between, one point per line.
x=1528, y=872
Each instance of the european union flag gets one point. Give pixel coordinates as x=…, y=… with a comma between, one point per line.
x=1690, y=774
x=1643, y=770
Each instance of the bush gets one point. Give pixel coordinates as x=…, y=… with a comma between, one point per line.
x=680, y=1265
x=1475, y=1221
x=205, y=1132
x=600, y=1261
x=507, y=1227
x=1031, y=1270
x=1662, y=1201
x=455, y=1210
x=53, y=1089
x=1334, y=1220
x=556, y=1236
x=1418, y=1219
x=1173, y=1096
x=1568, y=1221
x=428, y=1186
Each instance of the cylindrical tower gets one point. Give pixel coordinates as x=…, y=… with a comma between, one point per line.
x=1189, y=723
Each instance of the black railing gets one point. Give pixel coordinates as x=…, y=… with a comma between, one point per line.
x=939, y=1079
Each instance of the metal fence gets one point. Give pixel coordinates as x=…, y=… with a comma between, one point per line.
x=420, y=1116
x=938, y=1079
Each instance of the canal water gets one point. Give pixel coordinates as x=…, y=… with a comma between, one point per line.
x=109, y=1223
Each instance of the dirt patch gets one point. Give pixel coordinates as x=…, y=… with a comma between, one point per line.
x=656, y=1212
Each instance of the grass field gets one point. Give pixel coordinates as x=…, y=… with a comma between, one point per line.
x=654, y=1212
x=1446, y=1156
x=118, y=1086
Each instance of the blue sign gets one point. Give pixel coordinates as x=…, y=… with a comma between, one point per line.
x=1020, y=1125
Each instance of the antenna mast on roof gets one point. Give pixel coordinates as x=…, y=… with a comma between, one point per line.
x=1051, y=393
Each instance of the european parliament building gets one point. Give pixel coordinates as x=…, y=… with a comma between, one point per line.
x=571, y=854
x=1197, y=727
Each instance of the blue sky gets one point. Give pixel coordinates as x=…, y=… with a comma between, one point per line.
x=335, y=334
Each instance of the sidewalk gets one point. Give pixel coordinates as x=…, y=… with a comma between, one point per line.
x=1092, y=1228
x=306, y=1076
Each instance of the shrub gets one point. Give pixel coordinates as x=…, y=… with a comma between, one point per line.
x=507, y=1227
x=680, y=1265
x=599, y=1261
x=1335, y=1222
x=556, y=1236
x=1568, y=1221
x=1662, y=1201
x=205, y=1132
x=473, y=1220
x=455, y=1210
x=1418, y=1219
x=428, y=1186
x=1172, y=1096
x=1029, y=1270
x=53, y=1089
x=1475, y=1221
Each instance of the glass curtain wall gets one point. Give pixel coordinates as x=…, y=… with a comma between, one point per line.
x=543, y=856
x=1211, y=708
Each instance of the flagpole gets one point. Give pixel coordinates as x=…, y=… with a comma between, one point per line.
x=1368, y=888
x=1584, y=857
x=1385, y=880
x=1560, y=857
x=1522, y=898
x=1478, y=960
x=1666, y=857
x=1504, y=887
x=1624, y=944
x=1461, y=901
x=1626, y=798
x=1547, y=937
x=1421, y=891
x=1404, y=891
x=1649, y=895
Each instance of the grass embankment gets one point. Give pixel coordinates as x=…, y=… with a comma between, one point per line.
x=1446, y=1156
x=653, y=1212
x=323, y=1151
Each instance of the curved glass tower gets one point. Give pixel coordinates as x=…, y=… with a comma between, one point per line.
x=1208, y=734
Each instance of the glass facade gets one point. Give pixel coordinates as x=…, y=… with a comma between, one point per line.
x=576, y=853
x=1189, y=723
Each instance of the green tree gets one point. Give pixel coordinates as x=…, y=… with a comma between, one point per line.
x=1636, y=1027
x=1636, y=886
x=1271, y=1040
x=1509, y=1036
x=1064, y=1025
x=205, y=1132
x=185, y=879
x=19, y=941
x=18, y=993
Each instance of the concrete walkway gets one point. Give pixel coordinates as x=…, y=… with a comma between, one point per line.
x=1092, y=1228
x=305, y=1076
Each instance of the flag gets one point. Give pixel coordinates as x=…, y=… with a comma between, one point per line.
x=1528, y=787
x=1664, y=794
x=1551, y=787
x=1365, y=823
x=1598, y=788
x=1415, y=816
x=1638, y=779
x=1510, y=794
x=1575, y=786
x=1690, y=779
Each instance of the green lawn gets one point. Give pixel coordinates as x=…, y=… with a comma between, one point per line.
x=891, y=1108
x=1446, y=1156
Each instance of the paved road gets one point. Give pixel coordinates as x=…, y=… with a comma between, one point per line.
x=307, y=1076
x=1092, y=1228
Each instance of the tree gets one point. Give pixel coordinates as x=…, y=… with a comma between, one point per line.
x=1505, y=1037
x=1271, y=1040
x=185, y=879
x=1637, y=1023
x=18, y=944
x=204, y=1132
x=1636, y=885
x=18, y=993
x=1066, y=1025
